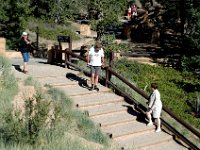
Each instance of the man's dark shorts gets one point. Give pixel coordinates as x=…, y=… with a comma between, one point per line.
x=96, y=70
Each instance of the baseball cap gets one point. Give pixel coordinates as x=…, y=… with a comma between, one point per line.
x=24, y=33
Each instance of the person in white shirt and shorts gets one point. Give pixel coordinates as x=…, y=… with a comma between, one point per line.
x=154, y=107
x=95, y=60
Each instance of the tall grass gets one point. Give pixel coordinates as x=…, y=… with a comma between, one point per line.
x=8, y=84
x=45, y=123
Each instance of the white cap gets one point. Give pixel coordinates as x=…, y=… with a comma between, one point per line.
x=24, y=33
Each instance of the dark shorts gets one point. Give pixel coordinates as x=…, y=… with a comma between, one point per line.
x=148, y=110
x=95, y=70
x=25, y=56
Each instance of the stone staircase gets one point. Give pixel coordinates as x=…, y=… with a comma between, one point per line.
x=117, y=118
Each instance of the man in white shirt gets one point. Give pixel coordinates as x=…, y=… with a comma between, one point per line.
x=95, y=60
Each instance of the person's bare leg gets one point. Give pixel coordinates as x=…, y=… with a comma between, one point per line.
x=92, y=83
x=25, y=66
x=96, y=80
x=158, y=125
x=92, y=79
x=148, y=114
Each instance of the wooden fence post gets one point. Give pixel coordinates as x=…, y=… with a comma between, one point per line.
x=108, y=74
x=68, y=57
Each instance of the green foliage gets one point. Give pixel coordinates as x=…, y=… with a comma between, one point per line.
x=94, y=24
x=110, y=45
x=60, y=96
x=31, y=82
x=15, y=14
x=88, y=130
x=67, y=143
x=84, y=123
x=177, y=89
x=8, y=84
x=195, y=104
x=191, y=59
x=50, y=31
x=96, y=135
x=45, y=123
x=48, y=116
x=58, y=11
x=107, y=12
x=190, y=62
x=193, y=30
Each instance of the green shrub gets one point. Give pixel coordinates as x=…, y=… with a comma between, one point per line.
x=177, y=89
x=32, y=131
x=60, y=96
x=94, y=25
x=8, y=84
x=96, y=136
x=190, y=62
x=50, y=31
x=110, y=45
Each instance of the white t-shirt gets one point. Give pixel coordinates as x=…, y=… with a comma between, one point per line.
x=155, y=101
x=95, y=57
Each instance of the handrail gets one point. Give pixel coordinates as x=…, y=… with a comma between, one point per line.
x=142, y=93
x=75, y=55
x=167, y=125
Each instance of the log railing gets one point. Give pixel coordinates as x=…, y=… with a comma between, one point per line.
x=108, y=83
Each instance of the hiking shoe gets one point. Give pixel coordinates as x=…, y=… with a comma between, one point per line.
x=92, y=88
x=150, y=123
x=158, y=130
x=96, y=88
x=25, y=72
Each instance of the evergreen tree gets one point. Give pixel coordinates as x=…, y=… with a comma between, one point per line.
x=13, y=19
x=58, y=10
x=191, y=59
x=107, y=13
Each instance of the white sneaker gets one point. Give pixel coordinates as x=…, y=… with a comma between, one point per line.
x=158, y=130
x=150, y=123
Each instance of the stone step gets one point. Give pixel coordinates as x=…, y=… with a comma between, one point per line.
x=172, y=145
x=80, y=91
x=97, y=99
x=105, y=108
x=142, y=141
x=132, y=127
x=56, y=81
x=48, y=71
x=114, y=118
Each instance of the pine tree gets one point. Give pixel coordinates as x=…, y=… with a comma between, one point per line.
x=13, y=19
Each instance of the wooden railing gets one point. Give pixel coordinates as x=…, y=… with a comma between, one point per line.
x=108, y=83
x=168, y=111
